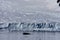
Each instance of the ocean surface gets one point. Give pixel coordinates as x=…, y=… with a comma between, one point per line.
x=5, y=35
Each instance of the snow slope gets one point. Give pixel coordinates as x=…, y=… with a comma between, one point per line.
x=29, y=11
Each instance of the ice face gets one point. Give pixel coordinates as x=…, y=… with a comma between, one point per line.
x=20, y=26
x=13, y=26
x=23, y=26
x=33, y=26
x=2, y=25
x=41, y=25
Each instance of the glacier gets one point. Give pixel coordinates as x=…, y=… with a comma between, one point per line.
x=23, y=26
x=30, y=13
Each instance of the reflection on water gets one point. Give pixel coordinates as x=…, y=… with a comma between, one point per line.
x=33, y=36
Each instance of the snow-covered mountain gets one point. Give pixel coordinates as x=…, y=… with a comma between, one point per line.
x=29, y=11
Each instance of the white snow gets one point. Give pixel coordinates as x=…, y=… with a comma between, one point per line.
x=30, y=11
